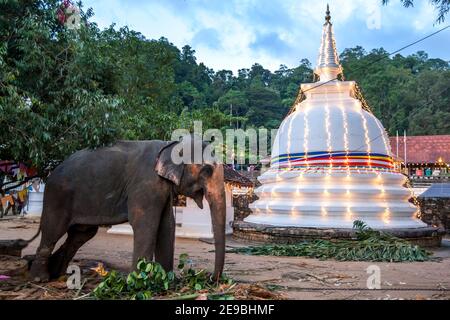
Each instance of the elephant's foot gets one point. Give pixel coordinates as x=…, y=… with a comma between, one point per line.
x=57, y=266
x=39, y=271
x=29, y=258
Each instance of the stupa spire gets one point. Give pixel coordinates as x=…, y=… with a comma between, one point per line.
x=328, y=65
x=328, y=17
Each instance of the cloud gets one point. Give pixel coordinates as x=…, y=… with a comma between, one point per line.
x=271, y=43
x=207, y=37
x=234, y=34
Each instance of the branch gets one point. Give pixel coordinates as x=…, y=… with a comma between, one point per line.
x=20, y=131
x=62, y=135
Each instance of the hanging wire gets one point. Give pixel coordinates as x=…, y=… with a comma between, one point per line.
x=379, y=136
x=301, y=93
x=360, y=97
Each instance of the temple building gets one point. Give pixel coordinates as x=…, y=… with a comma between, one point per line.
x=331, y=161
x=423, y=158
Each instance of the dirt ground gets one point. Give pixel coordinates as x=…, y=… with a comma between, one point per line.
x=292, y=277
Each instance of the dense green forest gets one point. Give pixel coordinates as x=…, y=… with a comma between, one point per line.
x=63, y=89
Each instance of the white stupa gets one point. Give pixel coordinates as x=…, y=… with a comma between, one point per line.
x=331, y=161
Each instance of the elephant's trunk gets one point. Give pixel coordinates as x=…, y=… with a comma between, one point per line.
x=215, y=195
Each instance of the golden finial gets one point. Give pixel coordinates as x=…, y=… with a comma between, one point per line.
x=328, y=17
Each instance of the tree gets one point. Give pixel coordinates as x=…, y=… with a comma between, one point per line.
x=442, y=6
x=235, y=102
x=265, y=107
x=49, y=106
x=405, y=93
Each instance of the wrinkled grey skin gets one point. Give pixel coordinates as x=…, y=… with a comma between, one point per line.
x=132, y=181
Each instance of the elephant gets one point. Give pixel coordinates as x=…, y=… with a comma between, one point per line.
x=131, y=181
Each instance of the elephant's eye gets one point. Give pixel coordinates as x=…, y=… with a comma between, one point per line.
x=207, y=171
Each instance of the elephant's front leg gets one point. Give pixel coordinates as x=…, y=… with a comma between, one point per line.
x=165, y=241
x=145, y=222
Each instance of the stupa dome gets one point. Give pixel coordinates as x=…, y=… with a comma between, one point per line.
x=332, y=120
x=331, y=160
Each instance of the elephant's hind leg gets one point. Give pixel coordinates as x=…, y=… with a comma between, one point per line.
x=77, y=236
x=39, y=268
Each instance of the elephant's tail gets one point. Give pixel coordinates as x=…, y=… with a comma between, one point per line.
x=15, y=247
x=34, y=237
x=22, y=244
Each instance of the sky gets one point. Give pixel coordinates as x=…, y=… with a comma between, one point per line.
x=235, y=34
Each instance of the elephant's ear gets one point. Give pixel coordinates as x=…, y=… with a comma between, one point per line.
x=166, y=168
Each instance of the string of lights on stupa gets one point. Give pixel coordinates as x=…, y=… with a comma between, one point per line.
x=331, y=161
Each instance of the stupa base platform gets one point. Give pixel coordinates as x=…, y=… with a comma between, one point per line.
x=425, y=237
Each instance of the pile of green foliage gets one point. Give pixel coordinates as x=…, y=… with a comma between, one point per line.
x=151, y=280
x=370, y=245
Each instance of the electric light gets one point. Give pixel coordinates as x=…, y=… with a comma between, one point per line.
x=306, y=136
x=297, y=192
x=290, y=139
x=386, y=216
x=366, y=135
x=349, y=215
x=293, y=212
x=383, y=135
x=327, y=128
x=346, y=147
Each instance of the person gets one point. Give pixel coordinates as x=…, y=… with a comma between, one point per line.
x=7, y=202
x=22, y=198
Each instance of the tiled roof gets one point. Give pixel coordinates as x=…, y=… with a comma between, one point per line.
x=234, y=177
x=423, y=149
